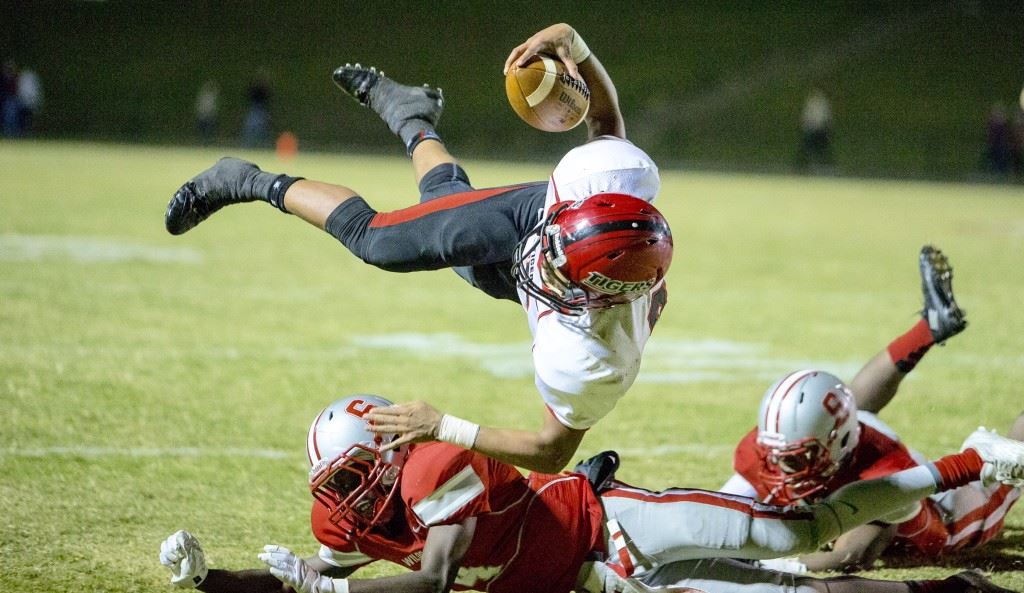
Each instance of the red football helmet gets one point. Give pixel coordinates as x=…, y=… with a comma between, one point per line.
x=605, y=250
x=349, y=474
x=807, y=430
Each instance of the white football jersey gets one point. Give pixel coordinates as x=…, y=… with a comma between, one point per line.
x=585, y=363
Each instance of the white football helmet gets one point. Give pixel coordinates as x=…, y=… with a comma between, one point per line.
x=807, y=428
x=348, y=472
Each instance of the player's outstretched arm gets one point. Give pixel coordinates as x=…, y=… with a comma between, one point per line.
x=185, y=559
x=548, y=450
x=565, y=43
x=442, y=555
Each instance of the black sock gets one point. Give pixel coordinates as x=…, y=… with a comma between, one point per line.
x=424, y=133
x=280, y=185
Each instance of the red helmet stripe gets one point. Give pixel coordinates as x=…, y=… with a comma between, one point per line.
x=312, y=448
x=782, y=394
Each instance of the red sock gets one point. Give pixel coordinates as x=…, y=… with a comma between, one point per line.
x=907, y=350
x=958, y=469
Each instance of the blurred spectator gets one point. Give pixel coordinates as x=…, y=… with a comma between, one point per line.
x=9, y=98
x=30, y=100
x=815, y=153
x=207, y=108
x=1017, y=147
x=256, y=129
x=999, y=142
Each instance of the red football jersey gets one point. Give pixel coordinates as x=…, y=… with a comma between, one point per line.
x=875, y=455
x=532, y=534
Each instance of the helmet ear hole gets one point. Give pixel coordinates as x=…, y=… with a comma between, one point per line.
x=846, y=439
x=615, y=255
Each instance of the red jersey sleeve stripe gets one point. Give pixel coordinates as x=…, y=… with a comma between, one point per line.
x=385, y=219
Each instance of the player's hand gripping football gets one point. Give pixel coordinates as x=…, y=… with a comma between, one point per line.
x=183, y=556
x=413, y=422
x=294, y=572
x=555, y=41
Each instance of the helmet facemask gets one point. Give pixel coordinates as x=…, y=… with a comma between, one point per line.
x=554, y=290
x=800, y=469
x=357, y=487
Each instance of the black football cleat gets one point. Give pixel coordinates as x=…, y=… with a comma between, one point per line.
x=229, y=181
x=945, y=319
x=977, y=583
x=397, y=104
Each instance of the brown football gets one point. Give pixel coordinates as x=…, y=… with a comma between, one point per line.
x=543, y=94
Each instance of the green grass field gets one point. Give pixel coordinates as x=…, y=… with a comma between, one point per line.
x=151, y=383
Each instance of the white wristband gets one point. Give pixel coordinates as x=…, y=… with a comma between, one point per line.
x=340, y=585
x=457, y=431
x=578, y=50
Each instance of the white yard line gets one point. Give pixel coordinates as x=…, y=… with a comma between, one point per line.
x=14, y=247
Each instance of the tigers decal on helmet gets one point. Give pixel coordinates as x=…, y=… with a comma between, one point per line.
x=601, y=251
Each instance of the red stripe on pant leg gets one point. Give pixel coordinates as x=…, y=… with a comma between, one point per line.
x=996, y=527
x=754, y=508
x=383, y=219
x=990, y=532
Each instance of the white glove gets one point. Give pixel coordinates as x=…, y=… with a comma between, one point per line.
x=792, y=565
x=183, y=556
x=294, y=572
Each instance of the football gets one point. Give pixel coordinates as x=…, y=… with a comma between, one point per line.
x=543, y=94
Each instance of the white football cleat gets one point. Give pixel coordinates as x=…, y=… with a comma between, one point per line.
x=1003, y=457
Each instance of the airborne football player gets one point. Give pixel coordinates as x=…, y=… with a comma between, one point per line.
x=585, y=253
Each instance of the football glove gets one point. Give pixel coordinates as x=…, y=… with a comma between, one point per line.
x=599, y=470
x=183, y=556
x=294, y=572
